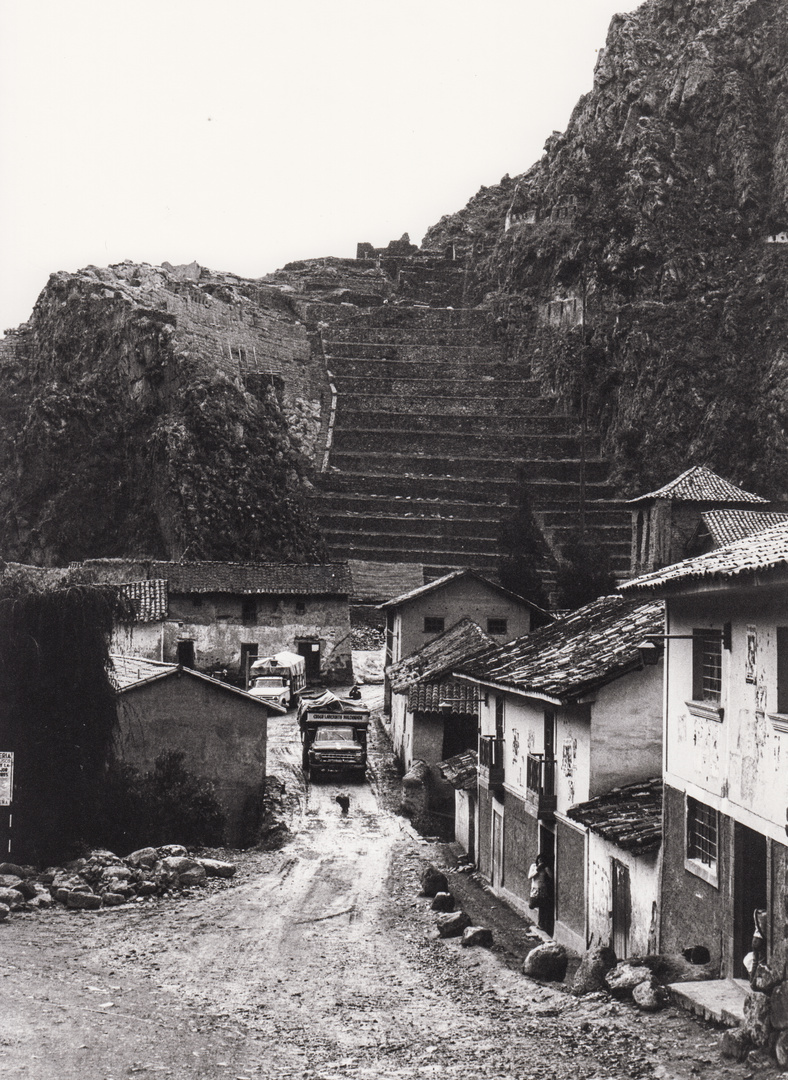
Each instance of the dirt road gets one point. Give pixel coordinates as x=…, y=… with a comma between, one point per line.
x=317, y=962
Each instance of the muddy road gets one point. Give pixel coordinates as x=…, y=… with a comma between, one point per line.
x=316, y=961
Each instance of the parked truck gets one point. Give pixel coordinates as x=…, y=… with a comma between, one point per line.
x=286, y=667
x=333, y=733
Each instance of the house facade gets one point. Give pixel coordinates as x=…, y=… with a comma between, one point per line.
x=225, y=615
x=417, y=617
x=566, y=714
x=725, y=747
x=220, y=731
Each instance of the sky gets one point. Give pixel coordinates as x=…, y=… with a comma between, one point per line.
x=249, y=133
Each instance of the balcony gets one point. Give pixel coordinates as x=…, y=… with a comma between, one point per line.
x=540, y=785
x=491, y=762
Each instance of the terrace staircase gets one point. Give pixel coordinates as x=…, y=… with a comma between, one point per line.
x=435, y=425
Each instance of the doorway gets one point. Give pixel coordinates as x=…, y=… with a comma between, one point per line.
x=249, y=653
x=547, y=851
x=310, y=650
x=186, y=654
x=496, y=872
x=621, y=905
x=750, y=891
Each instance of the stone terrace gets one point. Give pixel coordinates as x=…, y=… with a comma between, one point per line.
x=434, y=424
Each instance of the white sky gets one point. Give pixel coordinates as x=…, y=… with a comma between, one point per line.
x=249, y=133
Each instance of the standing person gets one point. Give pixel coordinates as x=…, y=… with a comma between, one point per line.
x=541, y=894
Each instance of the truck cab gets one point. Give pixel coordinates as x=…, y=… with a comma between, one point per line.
x=333, y=734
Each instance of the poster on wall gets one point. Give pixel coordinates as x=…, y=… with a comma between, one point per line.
x=6, y=777
x=752, y=655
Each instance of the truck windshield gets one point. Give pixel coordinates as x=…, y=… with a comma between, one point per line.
x=337, y=734
x=269, y=681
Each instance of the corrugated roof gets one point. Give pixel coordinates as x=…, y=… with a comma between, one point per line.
x=575, y=654
x=455, y=575
x=629, y=817
x=376, y=582
x=453, y=646
x=763, y=551
x=449, y=697
x=282, y=579
x=460, y=770
x=699, y=484
x=728, y=526
x=148, y=598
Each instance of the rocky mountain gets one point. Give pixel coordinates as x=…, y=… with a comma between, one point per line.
x=573, y=336
x=644, y=265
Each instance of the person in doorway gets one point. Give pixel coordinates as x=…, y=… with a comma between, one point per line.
x=541, y=893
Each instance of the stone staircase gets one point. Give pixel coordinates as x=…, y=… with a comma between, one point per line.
x=435, y=426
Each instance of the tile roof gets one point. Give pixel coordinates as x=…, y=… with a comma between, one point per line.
x=377, y=582
x=148, y=598
x=572, y=656
x=455, y=575
x=629, y=817
x=699, y=484
x=438, y=656
x=764, y=551
x=462, y=698
x=282, y=579
x=460, y=770
x=728, y=526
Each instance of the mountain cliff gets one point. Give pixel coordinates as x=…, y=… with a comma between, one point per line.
x=641, y=263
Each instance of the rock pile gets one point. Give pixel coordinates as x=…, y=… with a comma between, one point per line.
x=105, y=880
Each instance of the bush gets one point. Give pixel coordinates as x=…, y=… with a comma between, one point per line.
x=168, y=805
x=584, y=572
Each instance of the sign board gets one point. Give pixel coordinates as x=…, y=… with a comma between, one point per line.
x=6, y=777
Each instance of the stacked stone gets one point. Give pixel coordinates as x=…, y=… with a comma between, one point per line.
x=105, y=880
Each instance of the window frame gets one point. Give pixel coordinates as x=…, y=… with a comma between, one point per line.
x=502, y=622
x=249, y=612
x=436, y=620
x=694, y=840
x=707, y=668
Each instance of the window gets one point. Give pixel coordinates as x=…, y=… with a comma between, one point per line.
x=433, y=624
x=499, y=720
x=496, y=626
x=782, y=669
x=300, y=607
x=707, y=666
x=249, y=610
x=702, y=840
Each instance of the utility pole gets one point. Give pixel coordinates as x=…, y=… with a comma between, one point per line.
x=583, y=406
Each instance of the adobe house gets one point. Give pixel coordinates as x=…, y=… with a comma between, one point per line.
x=221, y=731
x=226, y=615
x=665, y=522
x=726, y=747
x=433, y=716
x=461, y=772
x=416, y=617
x=567, y=714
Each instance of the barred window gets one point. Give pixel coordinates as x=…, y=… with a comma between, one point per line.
x=496, y=626
x=706, y=665
x=702, y=833
x=433, y=624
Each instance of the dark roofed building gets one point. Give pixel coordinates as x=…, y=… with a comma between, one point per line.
x=629, y=817
x=665, y=522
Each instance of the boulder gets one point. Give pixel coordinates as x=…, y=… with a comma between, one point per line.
x=735, y=1043
x=5, y=911
x=147, y=888
x=171, y=851
x=764, y=979
x=147, y=857
x=83, y=901
x=27, y=889
x=217, y=868
x=452, y=925
x=13, y=869
x=178, y=864
x=42, y=900
x=477, y=935
x=623, y=978
x=12, y=898
x=781, y=1049
x=10, y=881
x=649, y=996
x=548, y=961
x=112, y=899
x=442, y=901
x=433, y=881
x=595, y=964
x=779, y=1007
x=757, y=1019
x=194, y=875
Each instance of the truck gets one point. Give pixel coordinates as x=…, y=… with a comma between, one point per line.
x=333, y=734
x=289, y=667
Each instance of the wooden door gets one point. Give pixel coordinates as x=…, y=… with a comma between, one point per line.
x=496, y=875
x=621, y=908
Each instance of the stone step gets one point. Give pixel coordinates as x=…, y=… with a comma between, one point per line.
x=462, y=367
x=419, y=353
x=448, y=528
x=435, y=466
x=526, y=424
x=469, y=489
x=491, y=508
x=364, y=334
x=415, y=317
x=360, y=401
x=437, y=444
x=409, y=548
x=428, y=388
